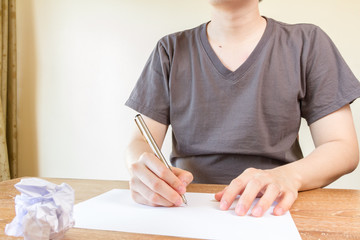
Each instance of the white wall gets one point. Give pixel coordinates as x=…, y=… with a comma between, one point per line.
x=79, y=59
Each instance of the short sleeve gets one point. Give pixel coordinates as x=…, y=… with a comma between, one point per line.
x=151, y=93
x=329, y=82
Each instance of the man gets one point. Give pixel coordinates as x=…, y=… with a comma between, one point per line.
x=234, y=91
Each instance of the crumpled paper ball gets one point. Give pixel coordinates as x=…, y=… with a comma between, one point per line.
x=44, y=210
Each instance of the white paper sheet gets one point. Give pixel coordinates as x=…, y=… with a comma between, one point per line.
x=202, y=218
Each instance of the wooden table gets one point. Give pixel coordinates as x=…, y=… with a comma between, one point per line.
x=318, y=214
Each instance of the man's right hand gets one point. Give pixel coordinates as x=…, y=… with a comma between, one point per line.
x=152, y=183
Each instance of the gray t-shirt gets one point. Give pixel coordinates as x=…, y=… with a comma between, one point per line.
x=224, y=122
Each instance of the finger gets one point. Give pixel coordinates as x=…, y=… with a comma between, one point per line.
x=252, y=189
x=219, y=195
x=158, y=186
x=137, y=197
x=285, y=203
x=185, y=177
x=271, y=193
x=233, y=190
x=160, y=170
x=144, y=195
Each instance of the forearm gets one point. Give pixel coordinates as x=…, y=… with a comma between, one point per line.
x=135, y=149
x=325, y=164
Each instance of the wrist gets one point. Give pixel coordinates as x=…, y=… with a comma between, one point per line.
x=291, y=175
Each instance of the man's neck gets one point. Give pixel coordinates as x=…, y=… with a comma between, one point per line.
x=235, y=22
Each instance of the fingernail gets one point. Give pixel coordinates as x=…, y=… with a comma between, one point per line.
x=240, y=210
x=184, y=183
x=279, y=211
x=257, y=211
x=223, y=205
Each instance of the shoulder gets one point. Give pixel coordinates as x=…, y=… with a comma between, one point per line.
x=305, y=28
x=299, y=31
x=304, y=37
x=181, y=38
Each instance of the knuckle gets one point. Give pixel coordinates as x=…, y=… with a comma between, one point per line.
x=293, y=195
x=256, y=182
x=274, y=187
x=175, y=184
x=162, y=172
x=154, y=198
x=144, y=157
x=156, y=185
x=264, y=174
x=250, y=170
x=237, y=182
x=134, y=167
x=265, y=203
x=246, y=201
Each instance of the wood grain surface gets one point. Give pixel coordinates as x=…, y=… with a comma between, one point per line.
x=318, y=214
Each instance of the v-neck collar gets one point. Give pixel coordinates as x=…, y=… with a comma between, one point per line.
x=242, y=69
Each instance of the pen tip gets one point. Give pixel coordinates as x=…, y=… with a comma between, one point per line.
x=184, y=199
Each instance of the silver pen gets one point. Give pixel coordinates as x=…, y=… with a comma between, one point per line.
x=150, y=140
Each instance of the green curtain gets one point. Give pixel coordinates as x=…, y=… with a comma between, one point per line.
x=8, y=95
